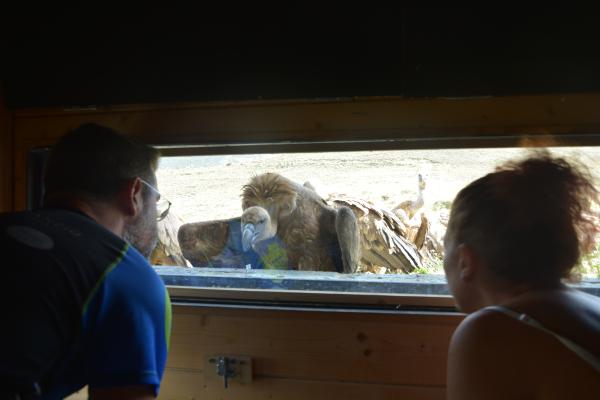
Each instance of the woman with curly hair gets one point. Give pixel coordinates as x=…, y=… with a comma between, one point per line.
x=513, y=239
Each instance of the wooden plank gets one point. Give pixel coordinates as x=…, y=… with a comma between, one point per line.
x=402, y=349
x=309, y=355
x=189, y=384
x=347, y=119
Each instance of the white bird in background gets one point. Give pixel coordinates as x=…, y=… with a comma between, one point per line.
x=408, y=209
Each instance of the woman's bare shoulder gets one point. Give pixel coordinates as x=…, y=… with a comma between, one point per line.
x=486, y=351
x=492, y=350
x=490, y=337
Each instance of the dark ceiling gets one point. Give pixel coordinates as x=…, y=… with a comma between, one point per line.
x=83, y=56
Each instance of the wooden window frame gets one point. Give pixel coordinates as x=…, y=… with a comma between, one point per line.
x=346, y=124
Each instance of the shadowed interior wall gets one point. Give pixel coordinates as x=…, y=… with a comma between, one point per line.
x=6, y=158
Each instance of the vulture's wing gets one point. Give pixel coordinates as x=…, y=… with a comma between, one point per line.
x=348, y=233
x=383, y=237
x=215, y=243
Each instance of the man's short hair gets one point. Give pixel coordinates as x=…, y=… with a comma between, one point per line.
x=93, y=160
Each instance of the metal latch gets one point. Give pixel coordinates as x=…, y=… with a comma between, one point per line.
x=226, y=368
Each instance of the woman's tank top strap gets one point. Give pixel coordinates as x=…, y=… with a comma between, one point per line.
x=526, y=319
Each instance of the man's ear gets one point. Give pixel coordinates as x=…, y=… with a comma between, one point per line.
x=468, y=264
x=130, y=198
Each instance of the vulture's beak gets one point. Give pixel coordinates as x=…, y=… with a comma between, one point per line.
x=248, y=236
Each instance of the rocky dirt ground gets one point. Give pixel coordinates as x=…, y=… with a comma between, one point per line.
x=208, y=187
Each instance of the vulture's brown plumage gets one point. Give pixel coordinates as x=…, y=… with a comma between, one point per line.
x=314, y=235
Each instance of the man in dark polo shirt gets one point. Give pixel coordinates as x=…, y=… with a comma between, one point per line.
x=81, y=305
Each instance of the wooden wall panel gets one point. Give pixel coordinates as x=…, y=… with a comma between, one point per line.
x=309, y=354
x=329, y=351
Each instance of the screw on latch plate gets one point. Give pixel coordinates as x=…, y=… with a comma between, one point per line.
x=228, y=367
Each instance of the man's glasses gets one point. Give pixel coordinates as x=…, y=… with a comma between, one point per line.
x=162, y=205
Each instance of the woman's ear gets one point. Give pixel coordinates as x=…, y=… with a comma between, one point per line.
x=130, y=198
x=468, y=265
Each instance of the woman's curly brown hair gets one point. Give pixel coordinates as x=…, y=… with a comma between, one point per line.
x=530, y=220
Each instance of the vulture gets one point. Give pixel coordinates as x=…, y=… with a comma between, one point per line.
x=218, y=244
x=438, y=223
x=409, y=208
x=167, y=250
x=298, y=223
x=384, y=246
x=425, y=228
x=258, y=235
x=283, y=226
